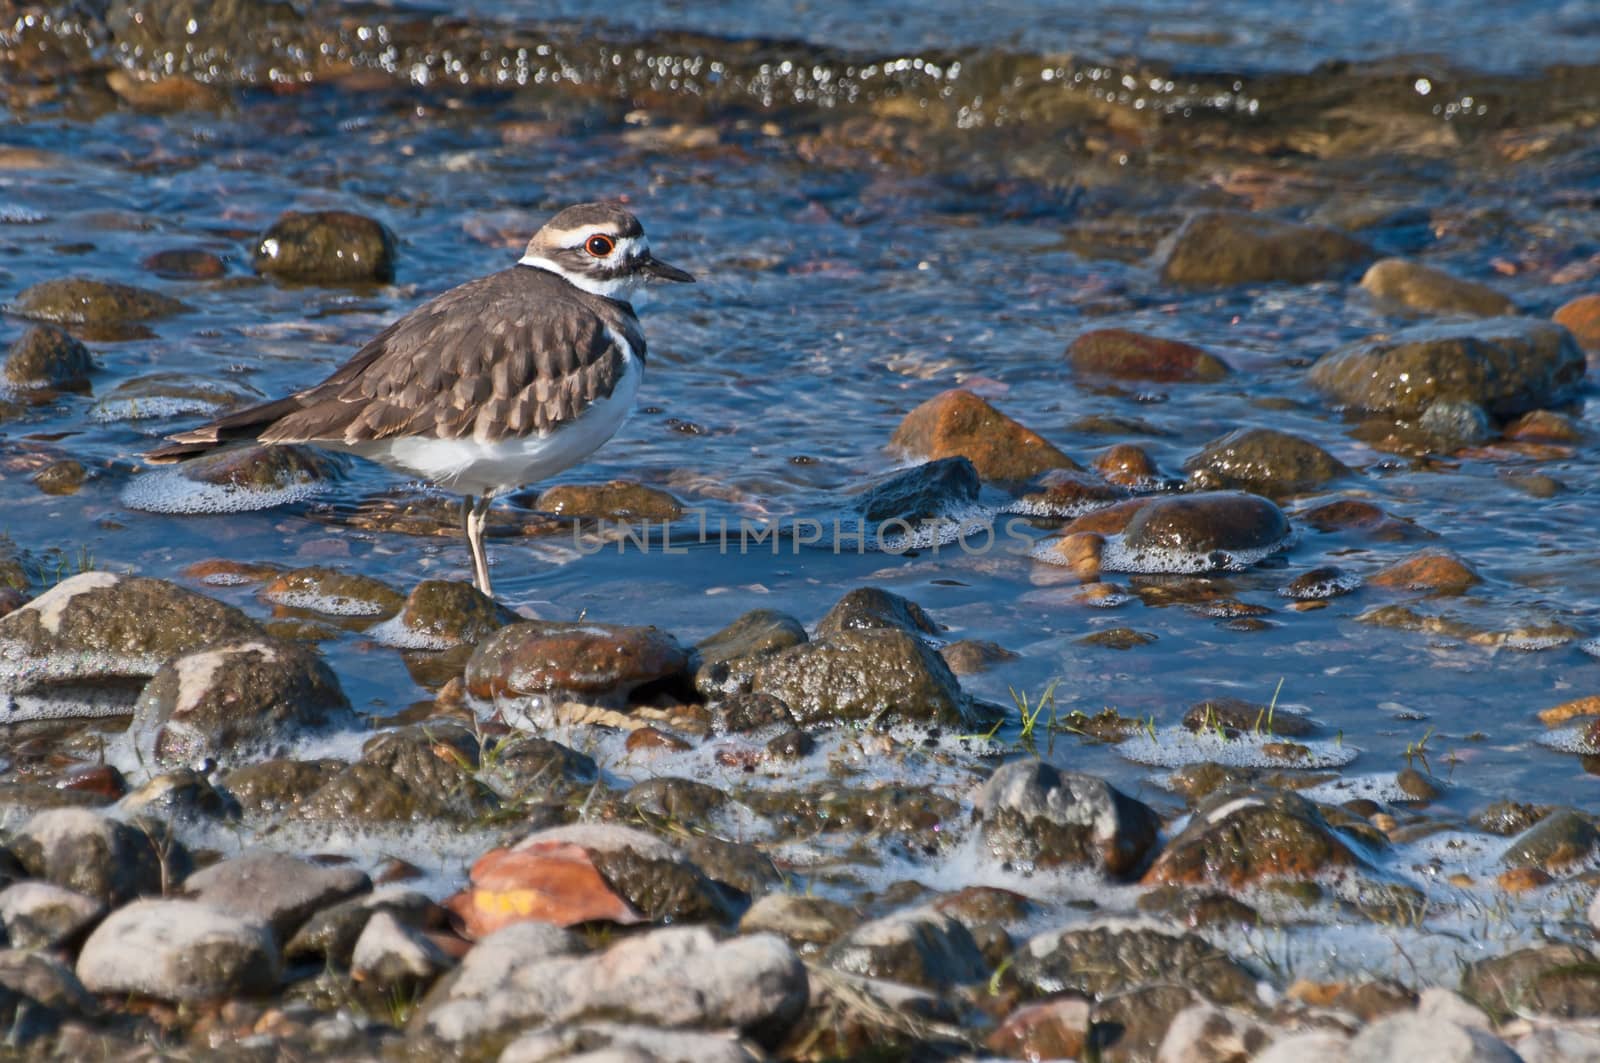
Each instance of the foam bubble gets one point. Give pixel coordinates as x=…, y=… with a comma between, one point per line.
x=326, y=604
x=1174, y=747
x=150, y=408
x=170, y=491
x=1119, y=557
x=15, y=214
x=1574, y=739
x=394, y=632
x=971, y=524
x=1343, y=583
x=1038, y=507
x=1591, y=647
x=1377, y=787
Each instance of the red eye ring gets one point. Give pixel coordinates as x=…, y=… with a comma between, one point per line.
x=599, y=245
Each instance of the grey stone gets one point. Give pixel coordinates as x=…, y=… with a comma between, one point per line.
x=178, y=950
x=1420, y=1038
x=38, y=915
x=1033, y=814
x=97, y=855
x=274, y=889
x=607, y=1040
x=919, y=947
x=1315, y=1046
x=391, y=954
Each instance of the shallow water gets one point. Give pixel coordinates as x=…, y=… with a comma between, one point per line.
x=833, y=299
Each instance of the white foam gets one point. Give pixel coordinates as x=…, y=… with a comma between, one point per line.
x=149, y=408
x=1343, y=583
x=394, y=632
x=326, y=604
x=1040, y=508
x=971, y=524
x=1591, y=647
x=1117, y=556
x=170, y=491
x=1174, y=747
x=15, y=214
x=1570, y=740
x=225, y=579
x=1378, y=787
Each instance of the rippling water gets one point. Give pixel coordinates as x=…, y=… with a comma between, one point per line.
x=835, y=294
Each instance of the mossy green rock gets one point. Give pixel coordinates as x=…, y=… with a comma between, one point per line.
x=1216, y=248
x=47, y=357
x=327, y=247
x=85, y=301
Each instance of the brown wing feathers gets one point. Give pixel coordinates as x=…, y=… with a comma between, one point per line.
x=510, y=354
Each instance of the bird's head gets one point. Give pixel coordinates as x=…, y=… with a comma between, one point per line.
x=601, y=248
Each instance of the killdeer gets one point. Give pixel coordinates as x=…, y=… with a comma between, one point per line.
x=496, y=384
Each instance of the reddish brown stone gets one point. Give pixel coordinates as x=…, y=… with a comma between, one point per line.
x=1124, y=354
x=1581, y=316
x=1557, y=715
x=1109, y=521
x=1438, y=571
x=1126, y=465
x=1051, y=1029
x=1238, y=841
x=1523, y=879
x=957, y=422
x=646, y=738
x=1543, y=426
x=1068, y=493
x=597, y=663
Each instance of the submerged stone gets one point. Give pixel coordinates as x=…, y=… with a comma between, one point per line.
x=1263, y=459
x=85, y=301
x=47, y=357
x=939, y=488
x=1215, y=248
x=326, y=247
x=1419, y=287
x=1125, y=354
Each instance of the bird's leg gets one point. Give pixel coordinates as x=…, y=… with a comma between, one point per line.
x=476, y=511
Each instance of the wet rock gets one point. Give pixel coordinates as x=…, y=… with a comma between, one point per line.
x=326, y=247
x=1127, y=465
x=47, y=357
x=941, y=488
x=1235, y=716
x=185, y=264
x=596, y=664
x=676, y=978
x=1505, y=818
x=329, y=936
x=411, y=774
x=63, y=477
x=1506, y=365
x=1066, y=493
x=177, y=950
x=93, y=854
x=1449, y=425
x=1206, y=1033
x=882, y=674
x=1419, y=287
x=1354, y=515
x=1239, y=839
x=1129, y=1027
x=334, y=593
x=872, y=608
x=1557, y=979
x=919, y=947
x=1316, y=584
x=622, y=1043
x=619, y=500
x=973, y=656
x=1123, y=354
x=1427, y=1040
x=1581, y=316
x=238, y=700
x=1544, y=426
x=758, y=633
x=1555, y=844
x=444, y=614
x=1215, y=248
x=270, y=787
x=84, y=647
x=1198, y=909
x=1113, y=955
x=1057, y=1028
x=1033, y=815
x=273, y=889
x=159, y=395
x=38, y=915
x=84, y=301
x=262, y=469
x=530, y=767
x=683, y=800
x=957, y=423
x=392, y=956
x=807, y=923
x=862, y=1018
x=1437, y=571
x=1264, y=460
x=1207, y=530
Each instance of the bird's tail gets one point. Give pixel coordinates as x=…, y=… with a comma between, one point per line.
x=241, y=426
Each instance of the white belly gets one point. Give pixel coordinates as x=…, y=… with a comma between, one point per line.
x=474, y=467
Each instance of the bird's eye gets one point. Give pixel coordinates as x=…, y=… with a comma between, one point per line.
x=600, y=246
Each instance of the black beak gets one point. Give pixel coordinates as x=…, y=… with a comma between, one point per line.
x=654, y=267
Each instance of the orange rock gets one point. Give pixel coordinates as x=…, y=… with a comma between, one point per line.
x=1121, y=353
x=1557, y=715
x=1523, y=879
x=1316, y=994
x=1109, y=521
x=650, y=738
x=957, y=422
x=1081, y=553
x=1051, y=1029
x=1543, y=426
x=222, y=572
x=1439, y=571
x=549, y=882
x=1582, y=318
x=1127, y=465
